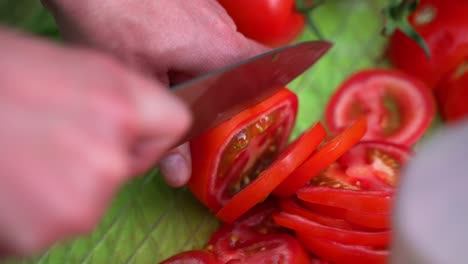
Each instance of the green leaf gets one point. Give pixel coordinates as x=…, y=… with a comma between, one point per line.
x=149, y=221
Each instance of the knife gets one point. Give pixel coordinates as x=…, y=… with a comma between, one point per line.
x=215, y=97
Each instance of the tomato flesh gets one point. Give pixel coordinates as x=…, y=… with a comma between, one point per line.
x=225, y=159
x=399, y=108
x=193, y=256
x=296, y=153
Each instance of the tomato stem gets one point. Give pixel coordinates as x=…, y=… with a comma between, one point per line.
x=396, y=17
x=305, y=7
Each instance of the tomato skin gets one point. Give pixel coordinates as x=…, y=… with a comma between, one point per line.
x=207, y=149
x=311, y=228
x=296, y=153
x=322, y=159
x=365, y=94
x=340, y=254
x=446, y=35
x=452, y=96
x=376, y=202
x=273, y=23
x=193, y=256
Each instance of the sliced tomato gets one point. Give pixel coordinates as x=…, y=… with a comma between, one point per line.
x=452, y=95
x=339, y=253
x=273, y=23
x=292, y=206
x=321, y=159
x=228, y=157
x=376, y=202
x=444, y=27
x=373, y=160
x=399, y=108
x=365, y=220
x=193, y=256
x=311, y=228
x=296, y=153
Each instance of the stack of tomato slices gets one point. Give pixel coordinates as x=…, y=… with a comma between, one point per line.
x=324, y=198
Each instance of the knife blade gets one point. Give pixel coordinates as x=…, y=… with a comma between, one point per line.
x=217, y=96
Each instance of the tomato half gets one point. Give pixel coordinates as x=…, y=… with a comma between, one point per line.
x=340, y=253
x=444, y=27
x=311, y=228
x=452, y=95
x=399, y=108
x=361, y=219
x=273, y=23
x=378, y=202
x=296, y=153
x=322, y=159
x=193, y=256
x=228, y=157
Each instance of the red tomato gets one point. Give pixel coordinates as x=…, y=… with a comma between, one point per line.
x=339, y=253
x=322, y=158
x=399, y=108
x=365, y=220
x=193, y=256
x=311, y=228
x=452, y=95
x=373, y=160
x=444, y=27
x=269, y=179
x=228, y=157
x=375, y=202
x=273, y=23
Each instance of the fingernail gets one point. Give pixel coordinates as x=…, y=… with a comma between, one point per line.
x=175, y=169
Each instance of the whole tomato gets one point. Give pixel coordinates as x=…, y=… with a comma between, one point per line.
x=444, y=27
x=273, y=22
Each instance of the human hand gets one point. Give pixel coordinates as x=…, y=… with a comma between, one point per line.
x=72, y=124
x=170, y=40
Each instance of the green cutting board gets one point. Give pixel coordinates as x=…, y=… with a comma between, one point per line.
x=150, y=221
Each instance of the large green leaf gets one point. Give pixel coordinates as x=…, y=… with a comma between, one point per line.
x=150, y=221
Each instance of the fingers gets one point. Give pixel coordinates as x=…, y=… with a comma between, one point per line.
x=176, y=166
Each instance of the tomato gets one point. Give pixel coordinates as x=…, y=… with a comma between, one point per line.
x=228, y=157
x=322, y=158
x=452, y=95
x=296, y=153
x=273, y=23
x=311, y=228
x=193, y=256
x=339, y=253
x=375, y=202
x=373, y=159
x=444, y=27
x=365, y=220
x=399, y=108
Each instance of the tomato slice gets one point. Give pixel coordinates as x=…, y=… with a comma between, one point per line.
x=311, y=228
x=444, y=27
x=228, y=157
x=377, y=202
x=339, y=253
x=452, y=95
x=365, y=220
x=270, y=178
x=370, y=160
x=322, y=158
x=276, y=248
x=193, y=256
x=399, y=108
